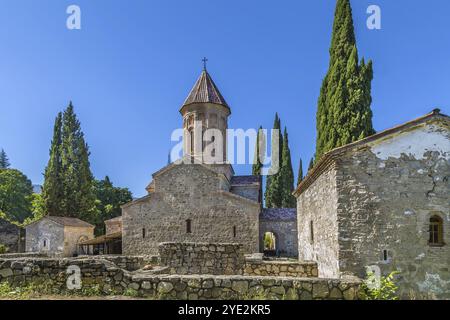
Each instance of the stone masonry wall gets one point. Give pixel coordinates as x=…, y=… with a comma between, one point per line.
x=189, y=192
x=281, y=269
x=202, y=258
x=316, y=210
x=111, y=278
x=9, y=235
x=385, y=204
x=286, y=236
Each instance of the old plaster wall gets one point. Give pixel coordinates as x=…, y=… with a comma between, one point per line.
x=73, y=236
x=387, y=194
x=47, y=230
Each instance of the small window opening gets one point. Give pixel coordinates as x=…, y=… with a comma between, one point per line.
x=143, y=233
x=188, y=226
x=234, y=231
x=385, y=255
x=311, y=229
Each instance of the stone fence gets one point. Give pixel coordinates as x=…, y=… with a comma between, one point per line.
x=202, y=258
x=280, y=268
x=226, y=259
x=112, y=279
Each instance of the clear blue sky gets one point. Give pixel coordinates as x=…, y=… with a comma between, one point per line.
x=133, y=63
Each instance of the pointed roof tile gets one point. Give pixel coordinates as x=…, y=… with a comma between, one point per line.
x=205, y=91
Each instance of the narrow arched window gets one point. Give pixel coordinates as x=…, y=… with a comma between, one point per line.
x=234, y=232
x=143, y=233
x=436, y=231
x=191, y=141
x=311, y=231
x=188, y=226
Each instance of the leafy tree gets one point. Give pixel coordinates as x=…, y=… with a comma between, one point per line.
x=287, y=175
x=343, y=113
x=109, y=200
x=15, y=195
x=300, y=173
x=260, y=151
x=4, y=161
x=273, y=193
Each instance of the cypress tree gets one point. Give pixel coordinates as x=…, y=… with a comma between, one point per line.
x=273, y=193
x=287, y=175
x=52, y=191
x=79, y=199
x=343, y=113
x=4, y=160
x=300, y=172
x=311, y=164
x=68, y=186
x=260, y=149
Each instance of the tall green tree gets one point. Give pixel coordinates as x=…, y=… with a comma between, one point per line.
x=16, y=193
x=260, y=151
x=311, y=164
x=109, y=199
x=273, y=192
x=4, y=160
x=287, y=175
x=343, y=113
x=78, y=194
x=300, y=172
x=53, y=188
x=68, y=187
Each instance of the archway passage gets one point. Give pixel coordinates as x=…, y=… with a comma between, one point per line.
x=270, y=244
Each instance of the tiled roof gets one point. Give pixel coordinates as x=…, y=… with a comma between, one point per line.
x=70, y=222
x=205, y=91
x=244, y=180
x=273, y=214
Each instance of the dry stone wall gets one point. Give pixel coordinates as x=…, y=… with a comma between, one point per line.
x=112, y=279
x=281, y=268
x=202, y=258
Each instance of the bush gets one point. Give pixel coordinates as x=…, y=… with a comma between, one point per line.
x=3, y=249
x=387, y=289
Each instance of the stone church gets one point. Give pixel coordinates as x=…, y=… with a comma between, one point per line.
x=383, y=201
x=197, y=202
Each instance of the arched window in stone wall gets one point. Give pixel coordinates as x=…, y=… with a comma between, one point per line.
x=436, y=231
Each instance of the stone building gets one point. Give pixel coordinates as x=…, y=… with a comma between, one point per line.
x=197, y=199
x=57, y=235
x=11, y=236
x=281, y=224
x=383, y=201
x=109, y=243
